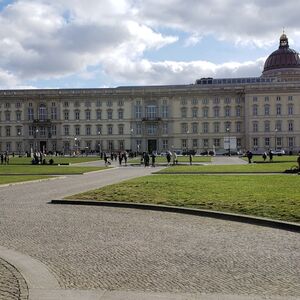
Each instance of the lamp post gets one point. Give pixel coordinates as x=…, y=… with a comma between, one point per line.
x=75, y=145
x=99, y=142
x=228, y=132
x=275, y=139
x=19, y=135
x=36, y=142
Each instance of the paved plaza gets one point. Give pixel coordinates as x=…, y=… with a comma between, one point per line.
x=119, y=253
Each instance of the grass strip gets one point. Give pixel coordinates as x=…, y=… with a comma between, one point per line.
x=247, y=168
x=275, y=197
x=19, y=178
x=45, y=169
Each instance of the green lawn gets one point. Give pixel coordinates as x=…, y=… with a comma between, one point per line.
x=273, y=196
x=276, y=159
x=181, y=159
x=45, y=169
x=248, y=168
x=19, y=178
x=57, y=159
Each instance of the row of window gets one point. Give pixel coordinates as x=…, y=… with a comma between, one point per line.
x=216, y=112
x=206, y=127
x=267, y=98
x=267, y=142
x=278, y=126
x=267, y=109
x=215, y=100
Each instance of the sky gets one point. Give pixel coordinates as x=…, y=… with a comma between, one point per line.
x=110, y=43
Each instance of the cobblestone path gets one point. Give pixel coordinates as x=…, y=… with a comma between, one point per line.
x=12, y=284
x=134, y=250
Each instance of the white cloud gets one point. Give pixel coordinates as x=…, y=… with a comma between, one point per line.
x=46, y=39
x=171, y=72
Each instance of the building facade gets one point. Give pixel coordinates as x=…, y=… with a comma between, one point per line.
x=257, y=113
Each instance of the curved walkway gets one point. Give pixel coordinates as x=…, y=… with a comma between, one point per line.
x=109, y=253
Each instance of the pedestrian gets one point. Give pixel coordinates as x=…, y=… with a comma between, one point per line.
x=249, y=156
x=271, y=155
x=125, y=157
x=105, y=159
x=298, y=161
x=264, y=156
x=146, y=159
x=153, y=159
x=175, y=161
x=191, y=159
x=120, y=156
x=2, y=158
x=168, y=157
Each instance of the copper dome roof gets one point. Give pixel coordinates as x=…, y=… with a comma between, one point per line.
x=282, y=58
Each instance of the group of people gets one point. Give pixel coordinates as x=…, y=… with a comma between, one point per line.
x=4, y=158
x=121, y=156
x=249, y=155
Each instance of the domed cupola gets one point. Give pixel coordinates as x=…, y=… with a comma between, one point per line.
x=283, y=59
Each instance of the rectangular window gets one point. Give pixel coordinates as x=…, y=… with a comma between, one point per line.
x=31, y=131
x=255, y=142
x=151, y=129
x=87, y=114
x=18, y=104
x=195, y=143
x=254, y=110
x=66, y=130
x=7, y=131
x=53, y=130
x=267, y=110
x=121, y=145
x=184, y=144
x=205, y=127
x=216, y=127
x=138, y=128
x=109, y=114
x=7, y=116
x=164, y=111
x=290, y=109
x=77, y=130
x=98, y=103
x=99, y=114
x=184, y=128
x=267, y=142
x=66, y=104
x=120, y=114
x=77, y=115
x=238, y=127
x=18, y=116
x=278, y=126
x=66, y=115
x=291, y=141
x=255, y=126
x=217, y=143
x=53, y=113
x=138, y=112
x=194, y=112
x=279, y=142
x=278, y=109
x=99, y=129
x=183, y=112
x=291, y=126
x=227, y=111
x=165, y=128
x=109, y=103
x=121, y=129
x=88, y=130
x=165, y=144
x=238, y=111
x=109, y=130
x=195, y=128
x=290, y=98
x=267, y=126
x=120, y=102
x=30, y=114
x=216, y=111
x=43, y=131
x=205, y=112
x=205, y=143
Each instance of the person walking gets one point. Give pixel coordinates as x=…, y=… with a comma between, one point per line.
x=153, y=159
x=298, y=161
x=271, y=155
x=168, y=157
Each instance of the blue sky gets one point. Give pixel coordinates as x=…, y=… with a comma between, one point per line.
x=108, y=43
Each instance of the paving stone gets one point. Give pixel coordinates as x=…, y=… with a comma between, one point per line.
x=133, y=250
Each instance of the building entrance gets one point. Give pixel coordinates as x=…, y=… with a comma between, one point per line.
x=152, y=145
x=43, y=146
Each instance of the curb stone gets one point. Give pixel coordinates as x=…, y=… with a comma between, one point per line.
x=191, y=211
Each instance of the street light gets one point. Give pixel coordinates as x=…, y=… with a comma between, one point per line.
x=228, y=132
x=276, y=129
x=99, y=142
x=36, y=142
x=19, y=135
x=75, y=144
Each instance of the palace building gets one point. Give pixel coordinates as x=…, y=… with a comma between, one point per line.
x=255, y=113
